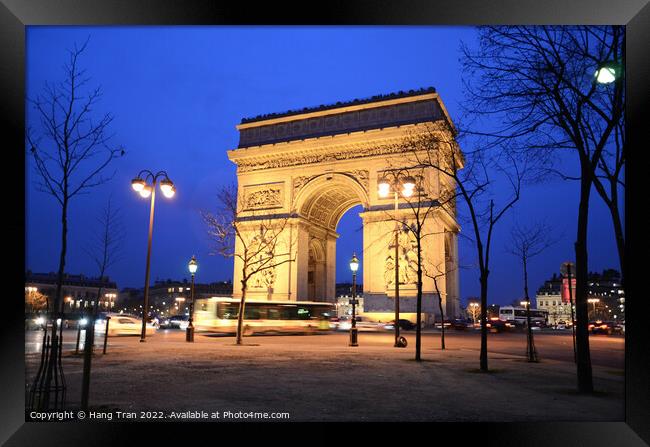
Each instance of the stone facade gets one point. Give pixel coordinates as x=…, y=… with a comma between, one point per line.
x=309, y=169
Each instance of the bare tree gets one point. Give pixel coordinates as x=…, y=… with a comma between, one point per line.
x=471, y=178
x=437, y=274
x=259, y=243
x=105, y=252
x=526, y=243
x=538, y=83
x=421, y=208
x=608, y=180
x=474, y=308
x=70, y=153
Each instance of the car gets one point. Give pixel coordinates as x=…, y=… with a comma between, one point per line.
x=438, y=324
x=404, y=324
x=496, y=325
x=561, y=325
x=605, y=327
x=362, y=324
x=334, y=323
x=174, y=322
x=123, y=325
x=460, y=325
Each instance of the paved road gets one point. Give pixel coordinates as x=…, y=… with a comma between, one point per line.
x=606, y=351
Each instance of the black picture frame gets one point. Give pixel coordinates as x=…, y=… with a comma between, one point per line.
x=15, y=15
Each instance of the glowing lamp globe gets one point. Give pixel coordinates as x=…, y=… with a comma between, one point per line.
x=408, y=186
x=146, y=191
x=167, y=188
x=605, y=74
x=193, y=266
x=383, y=187
x=138, y=184
x=354, y=263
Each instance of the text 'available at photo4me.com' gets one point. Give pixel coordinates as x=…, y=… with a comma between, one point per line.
x=193, y=415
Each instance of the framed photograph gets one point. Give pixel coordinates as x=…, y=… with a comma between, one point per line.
x=418, y=213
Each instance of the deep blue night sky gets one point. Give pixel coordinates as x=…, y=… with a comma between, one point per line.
x=177, y=94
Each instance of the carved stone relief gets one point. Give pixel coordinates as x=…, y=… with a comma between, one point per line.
x=408, y=258
x=264, y=196
x=361, y=175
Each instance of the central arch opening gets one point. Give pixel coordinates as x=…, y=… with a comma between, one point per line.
x=326, y=200
x=350, y=230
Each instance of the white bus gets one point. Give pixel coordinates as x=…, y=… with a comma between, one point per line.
x=220, y=315
x=517, y=315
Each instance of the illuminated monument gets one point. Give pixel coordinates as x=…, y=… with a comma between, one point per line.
x=311, y=166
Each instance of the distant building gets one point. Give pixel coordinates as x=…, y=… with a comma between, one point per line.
x=170, y=297
x=605, y=287
x=79, y=291
x=345, y=288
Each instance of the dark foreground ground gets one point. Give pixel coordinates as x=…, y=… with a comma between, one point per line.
x=321, y=378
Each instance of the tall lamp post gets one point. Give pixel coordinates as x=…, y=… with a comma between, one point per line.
x=189, y=332
x=354, y=266
x=399, y=183
x=141, y=186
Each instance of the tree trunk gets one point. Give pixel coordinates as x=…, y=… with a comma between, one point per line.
x=240, y=317
x=89, y=345
x=530, y=351
x=585, y=383
x=484, y=357
x=418, y=318
x=442, y=314
x=620, y=238
x=442, y=317
x=54, y=360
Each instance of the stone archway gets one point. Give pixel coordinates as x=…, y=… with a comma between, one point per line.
x=320, y=201
x=311, y=167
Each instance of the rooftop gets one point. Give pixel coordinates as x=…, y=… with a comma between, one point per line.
x=376, y=98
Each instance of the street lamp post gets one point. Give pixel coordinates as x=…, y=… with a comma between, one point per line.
x=110, y=297
x=168, y=189
x=354, y=266
x=189, y=332
x=384, y=186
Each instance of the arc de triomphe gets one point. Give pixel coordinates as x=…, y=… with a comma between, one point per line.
x=310, y=167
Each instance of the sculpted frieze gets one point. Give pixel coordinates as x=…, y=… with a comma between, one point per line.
x=263, y=196
x=296, y=160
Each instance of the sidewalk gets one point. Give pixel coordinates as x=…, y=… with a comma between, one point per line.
x=317, y=381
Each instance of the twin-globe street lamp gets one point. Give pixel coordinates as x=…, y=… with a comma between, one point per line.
x=354, y=266
x=189, y=332
x=168, y=189
x=399, y=183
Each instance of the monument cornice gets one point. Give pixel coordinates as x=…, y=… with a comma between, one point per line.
x=361, y=144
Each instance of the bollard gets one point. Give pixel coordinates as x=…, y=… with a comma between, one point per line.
x=108, y=319
x=353, y=336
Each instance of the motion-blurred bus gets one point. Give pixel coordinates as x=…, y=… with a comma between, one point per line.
x=517, y=315
x=220, y=315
